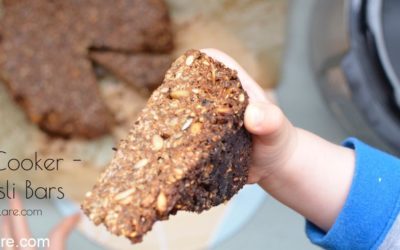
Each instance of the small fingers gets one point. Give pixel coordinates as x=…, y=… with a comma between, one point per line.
x=19, y=224
x=255, y=92
x=6, y=232
x=60, y=233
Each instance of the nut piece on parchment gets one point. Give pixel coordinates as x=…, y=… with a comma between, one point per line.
x=188, y=150
x=44, y=58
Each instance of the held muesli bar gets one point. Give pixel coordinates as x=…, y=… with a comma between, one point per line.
x=188, y=150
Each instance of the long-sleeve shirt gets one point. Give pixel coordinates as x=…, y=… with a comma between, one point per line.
x=370, y=216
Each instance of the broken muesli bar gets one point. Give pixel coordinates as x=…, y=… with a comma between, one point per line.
x=44, y=60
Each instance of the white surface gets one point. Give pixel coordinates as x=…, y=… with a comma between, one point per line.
x=242, y=208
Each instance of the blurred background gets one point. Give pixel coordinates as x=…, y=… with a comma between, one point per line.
x=332, y=67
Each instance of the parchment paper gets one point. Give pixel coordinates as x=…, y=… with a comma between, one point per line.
x=252, y=31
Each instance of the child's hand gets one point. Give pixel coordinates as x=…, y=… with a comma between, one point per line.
x=300, y=169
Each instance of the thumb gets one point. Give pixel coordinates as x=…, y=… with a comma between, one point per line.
x=255, y=92
x=274, y=139
x=265, y=120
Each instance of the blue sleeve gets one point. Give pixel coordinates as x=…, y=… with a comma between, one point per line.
x=371, y=207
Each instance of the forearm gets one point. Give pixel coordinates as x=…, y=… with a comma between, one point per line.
x=315, y=180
